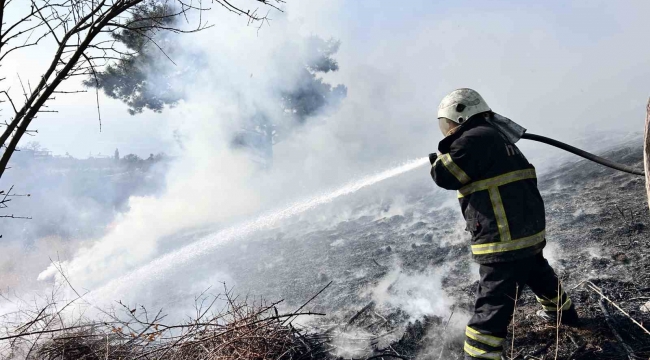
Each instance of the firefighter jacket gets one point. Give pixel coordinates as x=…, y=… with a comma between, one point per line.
x=497, y=190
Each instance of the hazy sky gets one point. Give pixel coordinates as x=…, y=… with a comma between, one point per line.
x=554, y=66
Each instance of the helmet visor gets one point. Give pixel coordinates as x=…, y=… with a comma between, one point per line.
x=446, y=126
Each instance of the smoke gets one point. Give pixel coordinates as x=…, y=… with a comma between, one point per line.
x=210, y=184
x=178, y=260
x=134, y=237
x=418, y=295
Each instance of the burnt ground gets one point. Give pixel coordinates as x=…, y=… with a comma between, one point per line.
x=402, y=280
x=598, y=219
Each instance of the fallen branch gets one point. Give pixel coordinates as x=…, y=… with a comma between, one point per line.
x=610, y=322
x=537, y=352
x=444, y=332
x=363, y=310
x=308, y=301
x=598, y=291
x=579, y=346
x=387, y=355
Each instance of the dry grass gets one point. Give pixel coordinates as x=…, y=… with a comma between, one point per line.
x=223, y=327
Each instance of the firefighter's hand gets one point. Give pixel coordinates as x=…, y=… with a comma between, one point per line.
x=432, y=158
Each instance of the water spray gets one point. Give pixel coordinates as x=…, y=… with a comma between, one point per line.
x=161, y=265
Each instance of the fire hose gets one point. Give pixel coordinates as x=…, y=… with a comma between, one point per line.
x=582, y=153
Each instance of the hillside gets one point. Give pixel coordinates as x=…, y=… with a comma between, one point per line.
x=399, y=254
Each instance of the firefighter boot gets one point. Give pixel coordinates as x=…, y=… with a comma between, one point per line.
x=568, y=317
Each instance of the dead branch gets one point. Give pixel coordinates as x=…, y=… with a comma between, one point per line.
x=610, y=322
x=242, y=329
x=359, y=313
x=80, y=29
x=83, y=32
x=598, y=291
x=308, y=301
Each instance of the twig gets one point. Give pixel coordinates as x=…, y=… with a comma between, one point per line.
x=42, y=332
x=597, y=290
x=580, y=346
x=558, y=315
x=444, y=332
x=387, y=355
x=363, y=310
x=308, y=301
x=538, y=351
x=512, y=347
x=628, y=351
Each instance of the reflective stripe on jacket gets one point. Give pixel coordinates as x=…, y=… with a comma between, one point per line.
x=497, y=190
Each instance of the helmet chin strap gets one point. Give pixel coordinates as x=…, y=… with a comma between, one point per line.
x=452, y=131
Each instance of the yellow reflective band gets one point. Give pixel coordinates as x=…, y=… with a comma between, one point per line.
x=565, y=306
x=497, y=247
x=552, y=301
x=483, y=338
x=496, y=181
x=482, y=354
x=454, y=169
x=500, y=214
x=546, y=301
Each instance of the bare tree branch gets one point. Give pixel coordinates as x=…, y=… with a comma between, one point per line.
x=83, y=32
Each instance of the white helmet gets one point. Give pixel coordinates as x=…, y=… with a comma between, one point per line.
x=459, y=106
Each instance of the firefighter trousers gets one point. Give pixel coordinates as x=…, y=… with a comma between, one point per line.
x=500, y=285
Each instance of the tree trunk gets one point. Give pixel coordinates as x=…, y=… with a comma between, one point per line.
x=646, y=151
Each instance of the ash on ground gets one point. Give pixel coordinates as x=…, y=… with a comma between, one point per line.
x=403, y=282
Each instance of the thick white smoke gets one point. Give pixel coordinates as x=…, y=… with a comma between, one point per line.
x=209, y=183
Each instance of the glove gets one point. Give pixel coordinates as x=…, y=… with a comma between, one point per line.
x=432, y=158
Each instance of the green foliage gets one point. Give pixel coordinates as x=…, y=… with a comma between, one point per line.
x=311, y=94
x=128, y=79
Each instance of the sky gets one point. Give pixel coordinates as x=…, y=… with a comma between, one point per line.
x=573, y=70
x=555, y=67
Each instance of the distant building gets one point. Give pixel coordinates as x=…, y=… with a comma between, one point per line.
x=42, y=154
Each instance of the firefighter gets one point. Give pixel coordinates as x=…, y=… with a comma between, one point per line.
x=504, y=211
